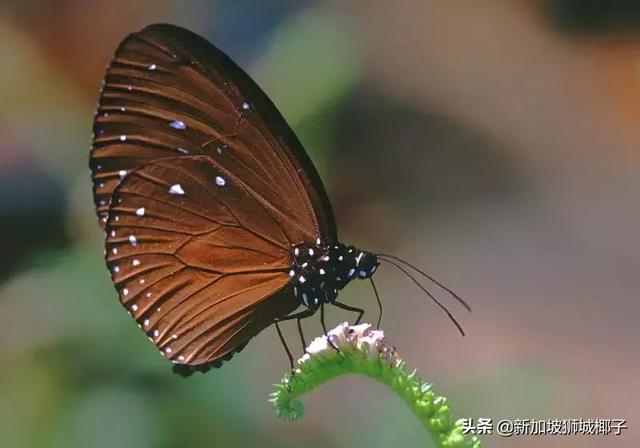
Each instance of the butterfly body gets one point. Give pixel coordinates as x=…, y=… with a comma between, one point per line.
x=319, y=272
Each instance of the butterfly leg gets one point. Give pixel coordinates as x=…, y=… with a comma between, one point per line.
x=360, y=311
x=375, y=290
x=299, y=316
x=304, y=342
x=324, y=328
x=284, y=344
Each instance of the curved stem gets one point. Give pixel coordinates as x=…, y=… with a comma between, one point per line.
x=364, y=351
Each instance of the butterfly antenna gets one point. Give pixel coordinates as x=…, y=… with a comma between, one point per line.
x=449, y=290
x=444, y=308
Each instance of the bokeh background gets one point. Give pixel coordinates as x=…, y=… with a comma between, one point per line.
x=494, y=143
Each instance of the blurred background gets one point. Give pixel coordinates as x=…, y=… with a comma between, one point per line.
x=494, y=143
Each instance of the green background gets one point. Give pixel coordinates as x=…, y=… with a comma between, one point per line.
x=495, y=144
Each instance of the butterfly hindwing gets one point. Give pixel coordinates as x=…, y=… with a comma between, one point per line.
x=198, y=261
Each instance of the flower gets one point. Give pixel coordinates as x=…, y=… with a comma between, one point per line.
x=351, y=337
x=362, y=350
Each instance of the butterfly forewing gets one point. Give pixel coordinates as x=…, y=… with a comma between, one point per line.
x=198, y=261
x=169, y=93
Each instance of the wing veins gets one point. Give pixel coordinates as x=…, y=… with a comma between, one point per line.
x=134, y=297
x=230, y=210
x=132, y=275
x=219, y=302
x=223, y=300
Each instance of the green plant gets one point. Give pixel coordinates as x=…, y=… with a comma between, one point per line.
x=362, y=350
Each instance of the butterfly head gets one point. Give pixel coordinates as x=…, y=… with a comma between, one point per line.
x=366, y=264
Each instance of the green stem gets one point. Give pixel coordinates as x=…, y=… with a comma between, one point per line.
x=365, y=352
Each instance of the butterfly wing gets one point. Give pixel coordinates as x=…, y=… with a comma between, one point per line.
x=197, y=258
x=168, y=92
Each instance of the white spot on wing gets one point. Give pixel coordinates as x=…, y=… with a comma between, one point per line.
x=220, y=181
x=136, y=262
x=176, y=189
x=133, y=240
x=140, y=211
x=153, y=67
x=178, y=124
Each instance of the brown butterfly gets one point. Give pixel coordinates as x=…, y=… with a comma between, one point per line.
x=217, y=223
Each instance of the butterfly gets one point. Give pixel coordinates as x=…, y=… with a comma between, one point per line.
x=217, y=223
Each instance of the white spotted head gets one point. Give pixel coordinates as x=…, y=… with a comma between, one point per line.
x=367, y=264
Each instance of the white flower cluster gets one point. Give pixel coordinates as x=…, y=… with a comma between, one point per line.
x=355, y=337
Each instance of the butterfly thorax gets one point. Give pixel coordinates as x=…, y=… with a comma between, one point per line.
x=319, y=271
